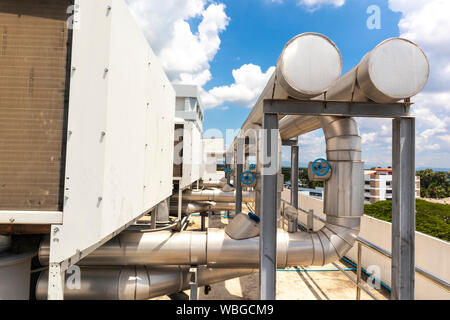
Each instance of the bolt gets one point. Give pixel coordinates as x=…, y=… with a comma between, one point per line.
x=56, y=230
x=12, y=220
x=106, y=70
x=74, y=68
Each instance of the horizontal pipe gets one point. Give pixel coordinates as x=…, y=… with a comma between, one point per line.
x=396, y=69
x=216, y=196
x=135, y=282
x=196, y=207
x=214, y=249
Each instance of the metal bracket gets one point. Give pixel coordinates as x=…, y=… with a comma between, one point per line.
x=193, y=282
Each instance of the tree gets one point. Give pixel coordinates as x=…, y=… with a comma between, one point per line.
x=434, y=184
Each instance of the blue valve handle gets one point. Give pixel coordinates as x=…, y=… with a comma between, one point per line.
x=321, y=167
x=253, y=167
x=248, y=177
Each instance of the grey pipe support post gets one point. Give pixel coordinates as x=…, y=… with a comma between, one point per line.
x=239, y=171
x=293, y=225
x=269, y=206
x=403, y=208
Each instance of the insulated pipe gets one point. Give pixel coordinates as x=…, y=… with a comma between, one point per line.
x=216, y=196
x=343, y=206
x=396, y=69
x=136, y=282
x=308, y=66
x=189, y=208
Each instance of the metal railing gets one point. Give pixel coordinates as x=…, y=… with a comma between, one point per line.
x=363, y=242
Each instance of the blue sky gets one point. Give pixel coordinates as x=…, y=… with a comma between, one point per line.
x=229, y=48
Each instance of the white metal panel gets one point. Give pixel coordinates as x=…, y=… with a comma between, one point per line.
x=192, y=154
x=31, y=217
x=120, y=101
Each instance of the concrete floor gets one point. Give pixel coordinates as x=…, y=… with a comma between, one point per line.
x=291, y=284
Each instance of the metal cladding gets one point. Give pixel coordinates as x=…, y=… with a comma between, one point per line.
x=194, y=207
x=216, y=196
x=136, y=282
x=396, y=69
x=308, y=66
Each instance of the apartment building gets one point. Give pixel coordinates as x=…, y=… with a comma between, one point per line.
x=378, y=185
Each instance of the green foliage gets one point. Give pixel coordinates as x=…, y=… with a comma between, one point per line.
x=302, y=176
x=434, y=184
x=431, y=218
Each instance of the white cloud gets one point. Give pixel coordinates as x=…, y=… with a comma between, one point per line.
x=426, y=23
x=249, y=81
x=185, y=55
x=315, y=4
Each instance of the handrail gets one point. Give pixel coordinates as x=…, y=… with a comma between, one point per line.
x=428, y=275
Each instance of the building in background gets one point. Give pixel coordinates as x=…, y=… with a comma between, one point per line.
x=188, y=145
x=378, y=185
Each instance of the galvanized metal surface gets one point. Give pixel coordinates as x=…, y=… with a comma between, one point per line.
x=135, y=282
x=403, y=208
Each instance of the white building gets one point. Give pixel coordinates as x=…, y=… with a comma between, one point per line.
x=188, y=153
x=378, y=185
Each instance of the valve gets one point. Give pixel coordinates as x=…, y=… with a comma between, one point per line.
x=319, y=170
x=252, y=167
x=228, y=171
x=248, y=178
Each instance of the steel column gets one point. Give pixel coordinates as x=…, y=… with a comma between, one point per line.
x=293, y=225
x=268, y=236
x=403, y=208
x=239, y=170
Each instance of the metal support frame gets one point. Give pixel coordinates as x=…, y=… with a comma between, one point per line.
x=332, y=108
x=239, y=171
x=268, y=236
x=193, y=282
x=56, y=282
x=358, y=273
x=293, y=225
x=403, y=208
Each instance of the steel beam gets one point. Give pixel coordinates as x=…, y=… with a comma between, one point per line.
x=293, y=225
x=239, y=171
x=403, y=208
x=268, y=236
x=336, y=108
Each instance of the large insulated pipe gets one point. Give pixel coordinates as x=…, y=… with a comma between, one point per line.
x=195, y=207
x=396, y=69
x=135, y=282
x=308, y=66
x=216, y=196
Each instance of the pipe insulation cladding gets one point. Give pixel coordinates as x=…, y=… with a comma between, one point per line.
x=135, y=282
x=396, y=69
x=309, y=65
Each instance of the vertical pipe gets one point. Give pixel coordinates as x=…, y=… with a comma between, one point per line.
x=310, y=221
x=358, y=274
x=239, y=170
x=403, y=208
x=293, y=225
x=228, y=176
x=180, y=201
x=153, y=219
x=269, y=207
